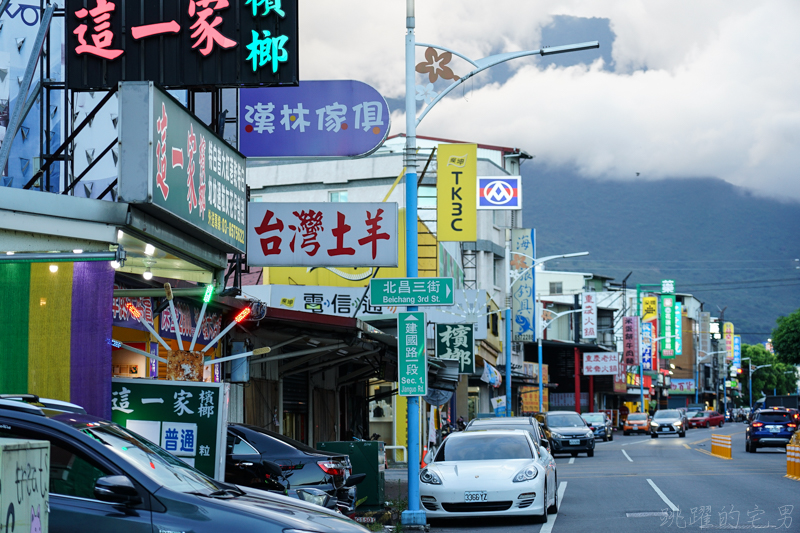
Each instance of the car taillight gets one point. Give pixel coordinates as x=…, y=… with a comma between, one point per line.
x=757, y=424
x=791, y=425
x=331, y=468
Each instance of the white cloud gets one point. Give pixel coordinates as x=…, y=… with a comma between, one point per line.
x=699, y=88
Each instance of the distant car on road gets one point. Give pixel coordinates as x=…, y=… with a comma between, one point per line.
x=770, y=428
x=705, y=419
x=636, y=423
x=668, y=422
x=600, y=424
x=568, y=433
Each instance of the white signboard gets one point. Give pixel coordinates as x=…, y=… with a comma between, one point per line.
x=325, y=234
x=601, y=364
x=589, y=315
x=337, y=301
x=469, y=307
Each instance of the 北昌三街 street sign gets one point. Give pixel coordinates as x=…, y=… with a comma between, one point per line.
x=412, y=364
x=411, y=291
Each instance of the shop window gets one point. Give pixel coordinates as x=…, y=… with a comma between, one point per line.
x=337, y=196
x=556, y=287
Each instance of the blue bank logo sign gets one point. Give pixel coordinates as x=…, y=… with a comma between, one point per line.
x=500, y=192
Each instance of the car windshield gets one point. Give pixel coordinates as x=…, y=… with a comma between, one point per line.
x=480, y=427
x=152, y=460
x=701, y=414
x=593, y=418
x=565, y=420
x=668, y=413
x=477, y=447
x=775, y=417
x=637, y=416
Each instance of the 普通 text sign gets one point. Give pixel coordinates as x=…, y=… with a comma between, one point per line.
x=181, y=43
x=601, y=364
x=175, y=167
x=411, y=291
x=325, y=234
x=412, y=374
x=341, y=118
x=456, y=341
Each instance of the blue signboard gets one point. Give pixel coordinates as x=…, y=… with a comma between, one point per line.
x=647, y=345
x=342, y=118
x=497, y=192
x=737, y=352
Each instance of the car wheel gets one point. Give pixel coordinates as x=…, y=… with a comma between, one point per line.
x=574, y=454
x=590, y=453
x=542, y=518
x=721, y=424
x=747, y=446
x=611, y=437
x=626, y=433
x=553, y=509
x=753, y=447
x=682, y=434
x=653, y=435
x=605, y=437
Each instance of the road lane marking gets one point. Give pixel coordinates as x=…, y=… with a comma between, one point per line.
x=551, y=519
x=660, y=514
x=662, y=495
x=687, y=446
x=636, y=442
x=628, y=457
x=571, y=460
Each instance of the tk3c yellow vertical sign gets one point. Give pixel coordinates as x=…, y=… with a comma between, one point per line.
x=456, y=199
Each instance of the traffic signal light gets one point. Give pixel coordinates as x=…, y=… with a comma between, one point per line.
x=738, y=370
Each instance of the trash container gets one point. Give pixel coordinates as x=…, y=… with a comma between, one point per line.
x=366, y=457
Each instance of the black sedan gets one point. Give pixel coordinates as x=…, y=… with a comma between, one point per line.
x=568, y=433
x=600, y=424
x=104, y=478
x=249, y=447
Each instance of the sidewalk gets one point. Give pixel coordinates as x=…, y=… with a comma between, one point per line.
x=396, y=483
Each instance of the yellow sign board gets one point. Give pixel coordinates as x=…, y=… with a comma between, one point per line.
x=649, y=308
x=456, y=197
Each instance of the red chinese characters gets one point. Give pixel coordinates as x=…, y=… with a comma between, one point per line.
x=310, y=226
x=102, y=37
x=201, y=192
x=372, y=232
x=270, y=245
x=191, y=148
x=339, y=232
x=161, y=153
x=205, y=30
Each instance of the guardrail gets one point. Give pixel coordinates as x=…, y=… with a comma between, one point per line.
x=395, y=448
x=793, y=462
x=721, y=446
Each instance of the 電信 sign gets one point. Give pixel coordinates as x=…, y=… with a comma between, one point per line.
x=181, y=43
x=341, y=118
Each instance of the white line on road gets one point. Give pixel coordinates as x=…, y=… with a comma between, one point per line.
x=571, y=460
x=636, y=442
x=628, y=457
x=662, y=495
x=551, y=519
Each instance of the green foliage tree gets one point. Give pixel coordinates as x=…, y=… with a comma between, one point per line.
x=786, y=338
x=780, y=378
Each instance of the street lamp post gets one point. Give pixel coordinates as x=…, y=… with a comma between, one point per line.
x=513, y=277
x=414, y=516
x=750, y=371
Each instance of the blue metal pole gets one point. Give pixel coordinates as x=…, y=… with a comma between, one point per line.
x=750, y=381
x=508, y=361
x=413, y=515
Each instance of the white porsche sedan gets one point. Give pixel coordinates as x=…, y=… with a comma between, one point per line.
x=497, y=472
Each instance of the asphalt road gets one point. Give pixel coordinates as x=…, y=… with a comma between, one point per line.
x=636, y=484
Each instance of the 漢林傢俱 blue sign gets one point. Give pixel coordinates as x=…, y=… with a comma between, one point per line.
x=499, y=192
x=341, y=118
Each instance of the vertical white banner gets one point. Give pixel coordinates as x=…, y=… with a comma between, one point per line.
x=589, y=315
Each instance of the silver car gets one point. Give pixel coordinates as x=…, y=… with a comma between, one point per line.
x=600, y=424
x=668, y=422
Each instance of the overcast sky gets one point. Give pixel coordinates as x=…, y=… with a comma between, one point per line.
x=677, y=89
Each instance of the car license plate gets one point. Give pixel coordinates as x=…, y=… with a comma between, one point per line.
x=774, y=429
x=663, y=429
x=476, y=496
x=574, y=442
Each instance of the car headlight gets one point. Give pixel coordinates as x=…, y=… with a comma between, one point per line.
x=526, y=474
x=316, y=497
x=654, y=424
x=589, y=434
x=426, y=476
x=678, y=423
x=556, y=435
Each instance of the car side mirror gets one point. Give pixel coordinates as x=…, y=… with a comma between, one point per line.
x=545, y=444
x=354, y=480
x=116, y=489
x=273, y=469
